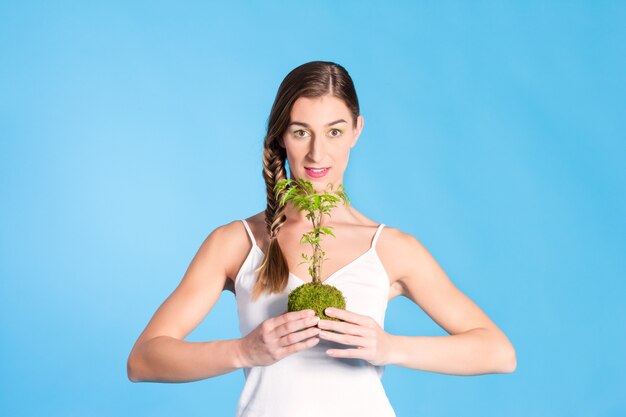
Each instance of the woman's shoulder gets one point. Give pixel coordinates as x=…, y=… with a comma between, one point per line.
x=389, y=233
x=234, y=236
x=230, y=233
x=258, y=219
x=396, y=250
x=234, y=230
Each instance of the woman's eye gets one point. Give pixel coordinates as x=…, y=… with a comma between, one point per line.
x=303, y=133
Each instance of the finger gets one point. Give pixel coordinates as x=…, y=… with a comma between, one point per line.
x=287, y=317
x=295, y=337
x=346, y=353
x=346, y=315
x=295, y=325
x=344, y=339
x=344, y=327
x=296, y=347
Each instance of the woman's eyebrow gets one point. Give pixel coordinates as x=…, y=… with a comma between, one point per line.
x=306, y=125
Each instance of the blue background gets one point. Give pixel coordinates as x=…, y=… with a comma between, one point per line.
x=494, y=133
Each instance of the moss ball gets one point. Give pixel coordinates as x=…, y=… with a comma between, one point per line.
x=316, y=297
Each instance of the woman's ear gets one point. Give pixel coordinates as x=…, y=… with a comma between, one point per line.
x=357, y=130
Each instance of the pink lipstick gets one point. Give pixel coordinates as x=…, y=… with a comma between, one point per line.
x=316, y=173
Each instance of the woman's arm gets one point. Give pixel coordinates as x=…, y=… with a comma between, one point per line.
x=160, y=354
x=473, y=352
x=475, y=345
x=168, y=359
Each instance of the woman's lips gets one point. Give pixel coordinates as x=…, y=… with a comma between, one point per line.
x=316, y=173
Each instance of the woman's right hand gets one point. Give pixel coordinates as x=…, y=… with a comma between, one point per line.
x=278, y=337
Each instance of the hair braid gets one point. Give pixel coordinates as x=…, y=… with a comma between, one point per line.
x=274, y=271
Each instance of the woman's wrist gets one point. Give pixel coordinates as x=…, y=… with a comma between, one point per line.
x=241, y=360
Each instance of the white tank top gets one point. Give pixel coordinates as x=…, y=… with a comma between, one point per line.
x=309, y=382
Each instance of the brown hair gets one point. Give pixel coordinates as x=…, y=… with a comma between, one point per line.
x=313, y=79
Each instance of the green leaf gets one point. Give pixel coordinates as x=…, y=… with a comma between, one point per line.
x=328, y=231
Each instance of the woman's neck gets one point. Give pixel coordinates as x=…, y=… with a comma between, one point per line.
x=340, y=213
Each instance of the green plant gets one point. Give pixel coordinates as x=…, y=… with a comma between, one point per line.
x=313, y=295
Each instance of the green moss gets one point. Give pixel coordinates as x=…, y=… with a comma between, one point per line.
x=316, y=297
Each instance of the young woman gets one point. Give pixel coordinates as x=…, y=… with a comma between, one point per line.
x=295, y=364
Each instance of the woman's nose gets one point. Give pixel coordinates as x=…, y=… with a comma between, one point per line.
x=316, y=150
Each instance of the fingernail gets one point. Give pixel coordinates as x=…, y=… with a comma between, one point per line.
x=329, y=310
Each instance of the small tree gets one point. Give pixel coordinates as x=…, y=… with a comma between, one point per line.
x=313, y=295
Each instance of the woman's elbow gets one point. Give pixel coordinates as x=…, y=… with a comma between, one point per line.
x=508, y=362
x=131, y=370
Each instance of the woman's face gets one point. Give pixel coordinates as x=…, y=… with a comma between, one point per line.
x=320, y=135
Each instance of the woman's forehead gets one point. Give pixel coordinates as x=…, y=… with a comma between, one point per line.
x=319, y=110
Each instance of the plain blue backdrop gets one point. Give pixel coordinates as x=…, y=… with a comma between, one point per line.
x=494, y=134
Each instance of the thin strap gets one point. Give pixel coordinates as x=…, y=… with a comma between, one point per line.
x=380, y=227
x=245, y=223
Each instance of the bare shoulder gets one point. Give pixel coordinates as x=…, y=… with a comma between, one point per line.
x=227, y=240
x=397, y=245
x=234, y=236
x=257, y=222
x=394, y=247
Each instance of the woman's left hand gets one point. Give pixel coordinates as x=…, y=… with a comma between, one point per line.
x=373, y=343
